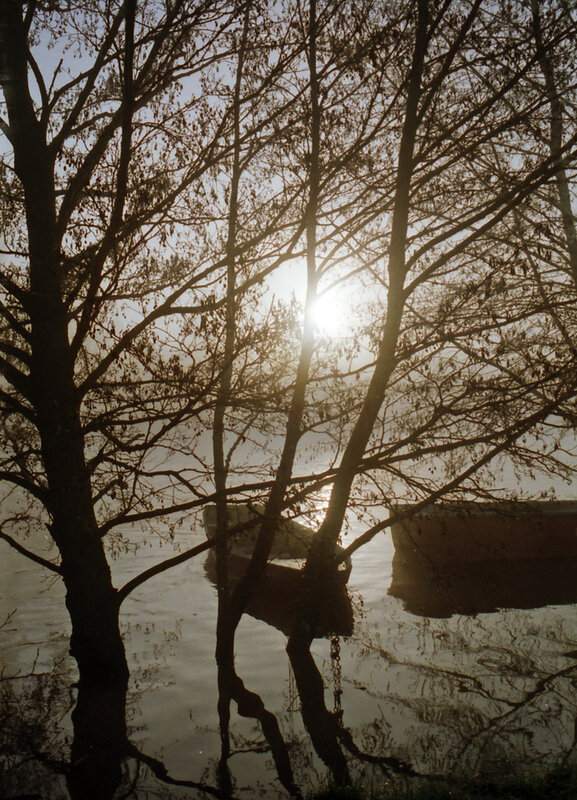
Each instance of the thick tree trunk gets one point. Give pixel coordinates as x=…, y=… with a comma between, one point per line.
x=90, y=597
x=50, y=389
x=96, y=643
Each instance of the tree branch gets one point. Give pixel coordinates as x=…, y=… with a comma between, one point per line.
x=157, y=569
x=30, y=555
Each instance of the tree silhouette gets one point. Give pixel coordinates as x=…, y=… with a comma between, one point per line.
x=159, y=183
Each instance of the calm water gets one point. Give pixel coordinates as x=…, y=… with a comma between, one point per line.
x=450, y=693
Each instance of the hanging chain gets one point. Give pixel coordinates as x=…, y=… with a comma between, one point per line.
x=336, y=669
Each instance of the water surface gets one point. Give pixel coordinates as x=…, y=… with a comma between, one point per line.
x=428, y=680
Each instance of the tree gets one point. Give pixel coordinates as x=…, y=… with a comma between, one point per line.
x=98, y=178
x=451, y=367
x=164, y=181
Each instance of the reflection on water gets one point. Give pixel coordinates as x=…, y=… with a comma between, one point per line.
x=483, y=586
x=274, y=601
x=427, y=682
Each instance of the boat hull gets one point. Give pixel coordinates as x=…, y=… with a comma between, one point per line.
x=471, y=558
x=485, y=532
x=290, y=546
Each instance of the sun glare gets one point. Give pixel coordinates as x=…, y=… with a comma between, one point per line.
x=330, y=315
x=334, y=312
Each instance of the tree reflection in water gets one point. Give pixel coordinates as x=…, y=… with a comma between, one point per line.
x=328, y=736
x=32, y=743
x=454, y=696
x=276, y=605
x=43, y=756
x=465, y=701
x=249, y=704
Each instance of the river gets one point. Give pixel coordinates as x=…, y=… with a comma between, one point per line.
x=492, y=691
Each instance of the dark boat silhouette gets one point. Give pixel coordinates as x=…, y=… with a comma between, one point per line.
x=275, y=599
x=290, y=545
x=471, y=558
x=448, y=533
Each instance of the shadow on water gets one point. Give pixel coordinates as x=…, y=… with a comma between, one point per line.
x=100, y=742
x=39, y=760
x=332, y=741
x=249, y=705
x=93, y=756
x=275, y=601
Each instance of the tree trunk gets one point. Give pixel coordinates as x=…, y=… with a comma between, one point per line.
x=50, y=389
x=90, y=596
x=91, y=599
x=320, y=566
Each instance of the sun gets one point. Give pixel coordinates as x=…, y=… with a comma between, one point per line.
x=336, y=306
x=329, y=313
